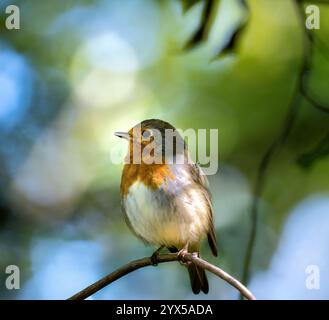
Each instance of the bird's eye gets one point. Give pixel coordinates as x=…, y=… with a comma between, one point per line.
x=146, y=134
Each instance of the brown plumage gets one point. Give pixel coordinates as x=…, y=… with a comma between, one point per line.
x=167, y=204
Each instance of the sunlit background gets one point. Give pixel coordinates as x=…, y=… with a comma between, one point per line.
x=77, y=71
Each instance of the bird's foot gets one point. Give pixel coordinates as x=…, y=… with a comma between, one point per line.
x=155, y=255
x=181, y=255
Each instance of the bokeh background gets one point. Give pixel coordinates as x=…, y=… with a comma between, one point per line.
x=77, y=71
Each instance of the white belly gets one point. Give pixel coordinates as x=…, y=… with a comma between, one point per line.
x=164, y=219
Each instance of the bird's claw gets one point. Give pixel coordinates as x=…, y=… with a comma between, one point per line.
x=181, y=256
x=154, y=258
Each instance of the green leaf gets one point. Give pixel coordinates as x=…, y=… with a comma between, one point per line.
x=188, y=4
x=230, y=46
x=203, y=30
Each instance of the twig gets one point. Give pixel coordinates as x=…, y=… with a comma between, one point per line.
x=310, y=42
x=262, y=171
x=314, y=103
x=244, y=291
x=313, y=1
x=144, y=262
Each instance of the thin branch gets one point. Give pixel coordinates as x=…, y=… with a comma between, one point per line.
x=244, y=291
x=262, y=173
x=313, y=1
x=312, y=42
x=313, y=102
x=147, y=261
x=304, y=90
x=274, y=147
x=320, y=150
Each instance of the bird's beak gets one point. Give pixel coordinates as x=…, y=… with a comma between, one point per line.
x=124, y=135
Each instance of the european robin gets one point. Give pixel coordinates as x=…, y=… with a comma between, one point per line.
x=166, y=203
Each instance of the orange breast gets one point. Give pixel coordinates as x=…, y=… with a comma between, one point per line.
x=152, y=175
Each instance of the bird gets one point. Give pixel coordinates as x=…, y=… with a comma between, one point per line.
x=168, y=203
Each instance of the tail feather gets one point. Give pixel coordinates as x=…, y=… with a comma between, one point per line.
x=198, y=279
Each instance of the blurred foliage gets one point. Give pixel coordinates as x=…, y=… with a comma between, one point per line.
x=321, y=150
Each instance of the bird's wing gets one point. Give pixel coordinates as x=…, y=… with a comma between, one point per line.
x=200, y=178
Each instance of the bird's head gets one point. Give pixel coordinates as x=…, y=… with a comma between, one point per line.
x=153, y=139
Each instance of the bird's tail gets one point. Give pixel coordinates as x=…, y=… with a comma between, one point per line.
x=198, y=279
